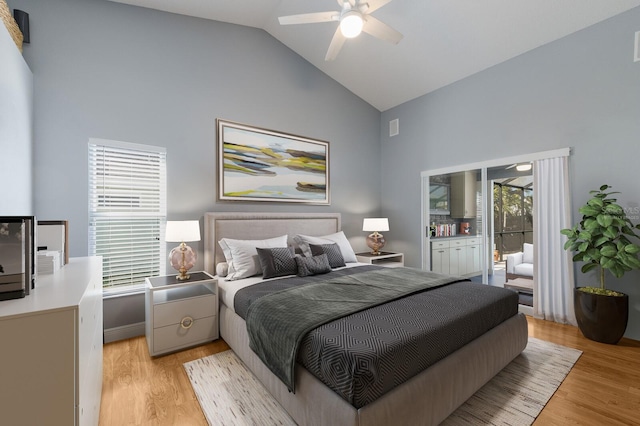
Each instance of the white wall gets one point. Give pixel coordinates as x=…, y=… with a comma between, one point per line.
x=16, y=119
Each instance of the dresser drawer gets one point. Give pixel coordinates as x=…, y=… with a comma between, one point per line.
x=439, y=244
x=172, y=313
x=473, y=241
x=176, y=336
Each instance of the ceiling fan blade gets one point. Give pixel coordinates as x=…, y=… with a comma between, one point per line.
x=373, y=5
x=309, y=18
x=336, y=44
x=380, y=30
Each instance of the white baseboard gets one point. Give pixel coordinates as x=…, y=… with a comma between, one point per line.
x=527, y=310
x=124, y=332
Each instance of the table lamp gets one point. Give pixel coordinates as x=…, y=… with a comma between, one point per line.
x=183, y=257
x=375, y=240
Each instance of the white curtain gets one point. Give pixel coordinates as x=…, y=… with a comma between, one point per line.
x=553, y=267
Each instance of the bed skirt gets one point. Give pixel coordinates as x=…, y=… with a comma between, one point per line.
x=426, y=399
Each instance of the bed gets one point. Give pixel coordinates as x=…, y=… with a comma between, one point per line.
x=426, y=398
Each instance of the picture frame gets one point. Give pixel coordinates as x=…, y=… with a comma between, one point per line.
x=54, y=235
x=256, y=164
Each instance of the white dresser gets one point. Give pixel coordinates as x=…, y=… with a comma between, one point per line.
x=51, y=349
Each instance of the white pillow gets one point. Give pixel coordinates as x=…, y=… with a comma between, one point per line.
x=339, y=238
x=242, y=256
x=527, y=253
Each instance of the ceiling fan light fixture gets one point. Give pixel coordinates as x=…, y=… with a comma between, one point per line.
x=524, y=167
x=351, y=24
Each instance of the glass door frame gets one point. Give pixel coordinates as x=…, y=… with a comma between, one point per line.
x=486, y=237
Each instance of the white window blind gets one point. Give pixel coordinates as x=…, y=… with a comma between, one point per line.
x=127, y=211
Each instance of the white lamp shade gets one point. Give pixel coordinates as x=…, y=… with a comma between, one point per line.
x=379, y=224
x=179, y=231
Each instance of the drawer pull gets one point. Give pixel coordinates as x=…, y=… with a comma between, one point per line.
x=186, y=323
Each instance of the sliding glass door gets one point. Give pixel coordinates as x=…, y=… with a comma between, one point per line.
x=475, y=215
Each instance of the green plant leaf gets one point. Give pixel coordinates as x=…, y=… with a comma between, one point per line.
x=583, y=247
x=608, y=263
x=610, y=233
x=596, y=202
x=617, y=270
x=585, y=235
x=608, y=250
x=600, y=241
x=633, y=262
x=629, y=231
x=604, y=187
x=567, y=232
x=632, y=249
x=591, y=225
x=589, y=211
x=604, y=220
x=588, y=266
x=613, y=209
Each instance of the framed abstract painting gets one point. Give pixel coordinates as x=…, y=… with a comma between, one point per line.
x=256, y=164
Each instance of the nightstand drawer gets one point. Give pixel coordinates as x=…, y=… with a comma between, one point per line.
x=177, y=336
x=171, y=313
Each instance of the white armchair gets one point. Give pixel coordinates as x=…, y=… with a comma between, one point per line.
x=520, y=265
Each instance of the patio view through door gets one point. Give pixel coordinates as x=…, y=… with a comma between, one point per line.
x=495, y=222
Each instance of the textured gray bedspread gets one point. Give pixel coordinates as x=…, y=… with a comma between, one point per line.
x=277, y=323
x=363, y=355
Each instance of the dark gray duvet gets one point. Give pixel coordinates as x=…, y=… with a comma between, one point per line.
x=365, y=354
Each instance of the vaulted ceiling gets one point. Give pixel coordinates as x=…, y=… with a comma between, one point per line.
x=444, y=40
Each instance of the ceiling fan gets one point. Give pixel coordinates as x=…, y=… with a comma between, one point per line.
x=354, y=18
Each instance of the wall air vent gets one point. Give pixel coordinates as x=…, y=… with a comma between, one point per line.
x=394, y=127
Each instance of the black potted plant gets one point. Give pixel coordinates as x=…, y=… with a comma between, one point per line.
x=603, y=239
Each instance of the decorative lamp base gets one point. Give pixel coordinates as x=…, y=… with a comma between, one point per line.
x=375, y=241
x=182, y=258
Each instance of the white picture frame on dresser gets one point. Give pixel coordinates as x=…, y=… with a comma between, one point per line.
x=180, y=314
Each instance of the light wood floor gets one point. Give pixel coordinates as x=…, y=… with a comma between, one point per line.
x=603, y=388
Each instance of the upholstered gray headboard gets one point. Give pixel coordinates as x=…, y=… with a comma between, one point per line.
x=259, y=226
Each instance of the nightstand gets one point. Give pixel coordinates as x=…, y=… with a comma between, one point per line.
x=180, y=314
x=386, y=258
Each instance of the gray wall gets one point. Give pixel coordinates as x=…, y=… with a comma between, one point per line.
x=16, y=139
x=112, y=71
x=581, y=92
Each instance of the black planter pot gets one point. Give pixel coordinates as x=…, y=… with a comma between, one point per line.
x=601, y=318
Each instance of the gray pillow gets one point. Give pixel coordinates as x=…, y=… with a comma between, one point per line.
x=277, y=261
x=332, y=251
x=312, y=265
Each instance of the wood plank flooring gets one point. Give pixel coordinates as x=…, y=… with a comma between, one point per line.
x=603, y=388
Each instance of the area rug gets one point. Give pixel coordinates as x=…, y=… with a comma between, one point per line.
x=229, y=394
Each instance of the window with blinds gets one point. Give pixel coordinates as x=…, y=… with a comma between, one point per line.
x=127, y=211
